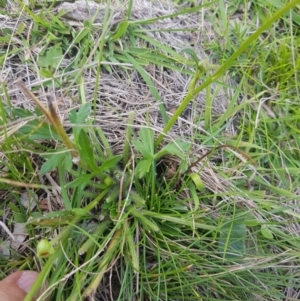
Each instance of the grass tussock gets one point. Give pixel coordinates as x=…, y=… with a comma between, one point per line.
x=150, y=150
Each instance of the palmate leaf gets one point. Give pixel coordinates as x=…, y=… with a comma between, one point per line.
x=143, y=167
x=52, y=58
x=36, y=130
x=145, y=144
x=22, y=113
x=177, y=148
x=55, y=160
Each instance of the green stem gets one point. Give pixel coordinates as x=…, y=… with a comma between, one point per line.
x=41, y=278
x=107, y=258
x=223, y=68
x=63, y=236
x=127, y=141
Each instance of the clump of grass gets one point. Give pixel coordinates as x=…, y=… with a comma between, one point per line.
x=152, y=202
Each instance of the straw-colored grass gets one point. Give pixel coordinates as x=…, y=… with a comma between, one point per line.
x=159, y=151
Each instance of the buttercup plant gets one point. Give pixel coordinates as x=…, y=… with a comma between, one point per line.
x=165, y=159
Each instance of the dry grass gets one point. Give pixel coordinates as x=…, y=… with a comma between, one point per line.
x=124, y=91
x=239, y=183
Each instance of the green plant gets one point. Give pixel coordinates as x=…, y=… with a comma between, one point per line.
x=205, y=209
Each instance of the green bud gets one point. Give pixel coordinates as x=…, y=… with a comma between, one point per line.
x=108, y=181
x=44, y=248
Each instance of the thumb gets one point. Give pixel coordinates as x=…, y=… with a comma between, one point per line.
x=15, y=286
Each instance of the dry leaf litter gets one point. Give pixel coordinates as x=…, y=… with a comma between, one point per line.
x=122, y=91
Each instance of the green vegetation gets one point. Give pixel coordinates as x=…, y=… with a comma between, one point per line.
x=158, y=147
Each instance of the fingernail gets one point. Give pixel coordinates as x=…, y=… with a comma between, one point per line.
x=26, y=281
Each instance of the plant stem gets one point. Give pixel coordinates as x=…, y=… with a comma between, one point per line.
x=191, y=94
